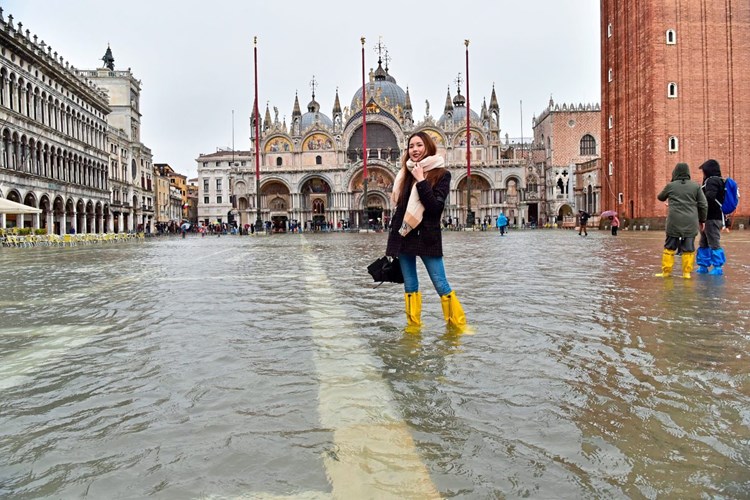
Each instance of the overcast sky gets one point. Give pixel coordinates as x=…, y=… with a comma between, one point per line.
x=195, y=59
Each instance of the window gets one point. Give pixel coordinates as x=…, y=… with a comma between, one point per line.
x=610, y=121
x=205, y=184
x=218, y=184
x=588, y=145
x=619, y=198
x=218, y=163
x=674, y=144
x=672, y=90
x=218, y=199
x=671, y=37
x=318, y=160
x=609, y=75
x=609, y=30
x=611, y=168
x=279, y=161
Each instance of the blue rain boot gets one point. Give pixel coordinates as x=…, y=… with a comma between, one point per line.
x=703, y=259
x=717, y=259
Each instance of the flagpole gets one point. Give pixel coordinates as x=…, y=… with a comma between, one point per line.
x=469, y=214
x=364, y=140
x=258, y=222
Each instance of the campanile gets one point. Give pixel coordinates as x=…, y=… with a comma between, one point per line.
x=675, y=78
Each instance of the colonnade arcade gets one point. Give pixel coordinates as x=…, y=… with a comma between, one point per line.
x=487, y=201
x=34, y=102
x=59, y=216
x=316, y=202
x=25, y=154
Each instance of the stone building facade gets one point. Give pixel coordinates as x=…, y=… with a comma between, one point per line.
x=311, y=171
x=54, y=137
x=131, y=165
x=70, y=140
x=567, y=139
x=674, y=89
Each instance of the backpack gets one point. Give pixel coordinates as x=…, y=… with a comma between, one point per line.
x=731, y=196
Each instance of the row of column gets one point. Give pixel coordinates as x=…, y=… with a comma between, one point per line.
x=57, y=118
x=68, y=223
x=52, y=164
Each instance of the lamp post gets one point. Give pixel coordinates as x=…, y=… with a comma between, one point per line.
x=469, y=213
x=364, y=141
x=258, y=222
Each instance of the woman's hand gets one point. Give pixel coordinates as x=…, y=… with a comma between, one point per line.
x=418, y=173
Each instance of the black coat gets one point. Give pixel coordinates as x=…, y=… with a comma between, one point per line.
x=713, y=187
x=425, y=239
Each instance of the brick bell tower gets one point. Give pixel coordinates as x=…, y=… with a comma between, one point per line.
x=675, y=88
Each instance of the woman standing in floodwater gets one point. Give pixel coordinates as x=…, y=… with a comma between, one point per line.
x=419, y=193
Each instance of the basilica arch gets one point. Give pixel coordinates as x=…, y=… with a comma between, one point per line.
x=376, y=210
x=382, y=143
x=275, y=202
x=482, y=199
x=315, y=201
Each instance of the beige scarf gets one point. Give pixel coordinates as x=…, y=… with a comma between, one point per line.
x=414, y=208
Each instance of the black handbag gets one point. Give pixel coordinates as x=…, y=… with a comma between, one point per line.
x=386, y=269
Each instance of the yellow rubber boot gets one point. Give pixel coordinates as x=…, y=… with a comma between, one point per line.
x=667, y=263
x=452, y=311
x=688, y=262
x=413, y=310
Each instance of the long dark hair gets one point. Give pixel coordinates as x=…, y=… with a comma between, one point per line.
x=433, y=176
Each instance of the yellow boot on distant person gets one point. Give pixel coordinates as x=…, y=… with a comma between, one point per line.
x=667, y=263
x=688, y=262
x=413, y=303
x=452, y=311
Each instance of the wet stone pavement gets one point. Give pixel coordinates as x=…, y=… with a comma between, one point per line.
x=269, y=367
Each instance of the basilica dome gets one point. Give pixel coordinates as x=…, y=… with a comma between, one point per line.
x=382, y=87
x=457, y=111
x=313, y=116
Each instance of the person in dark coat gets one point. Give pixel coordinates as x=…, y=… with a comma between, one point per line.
x=584, y=216
x=710, y=252
x=420, y=191
x=685, y=217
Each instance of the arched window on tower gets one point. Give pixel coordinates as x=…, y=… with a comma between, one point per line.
x=674, y=144
x=588, y=145
x=672, y=90
x=671, y=37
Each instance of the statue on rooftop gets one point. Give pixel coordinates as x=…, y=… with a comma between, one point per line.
x=109, y=61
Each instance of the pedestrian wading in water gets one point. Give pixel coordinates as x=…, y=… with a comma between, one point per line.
x=686, y=214
x=710, y=252
x=419, y=194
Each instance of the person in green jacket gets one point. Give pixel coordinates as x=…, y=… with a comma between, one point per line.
x=686, y=215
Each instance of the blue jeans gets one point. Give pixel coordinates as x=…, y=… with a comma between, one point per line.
x=435, y=270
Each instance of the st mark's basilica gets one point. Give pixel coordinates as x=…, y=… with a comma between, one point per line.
x=311, y=172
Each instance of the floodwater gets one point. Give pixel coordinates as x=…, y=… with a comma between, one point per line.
x=269, y=367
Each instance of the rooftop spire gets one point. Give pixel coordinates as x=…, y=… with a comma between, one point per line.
x=296, y=111
x=493, y=100
x=336, y=103
x=448, y=102
x=407, y=105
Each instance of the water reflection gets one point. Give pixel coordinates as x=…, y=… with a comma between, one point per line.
x=189, y=368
